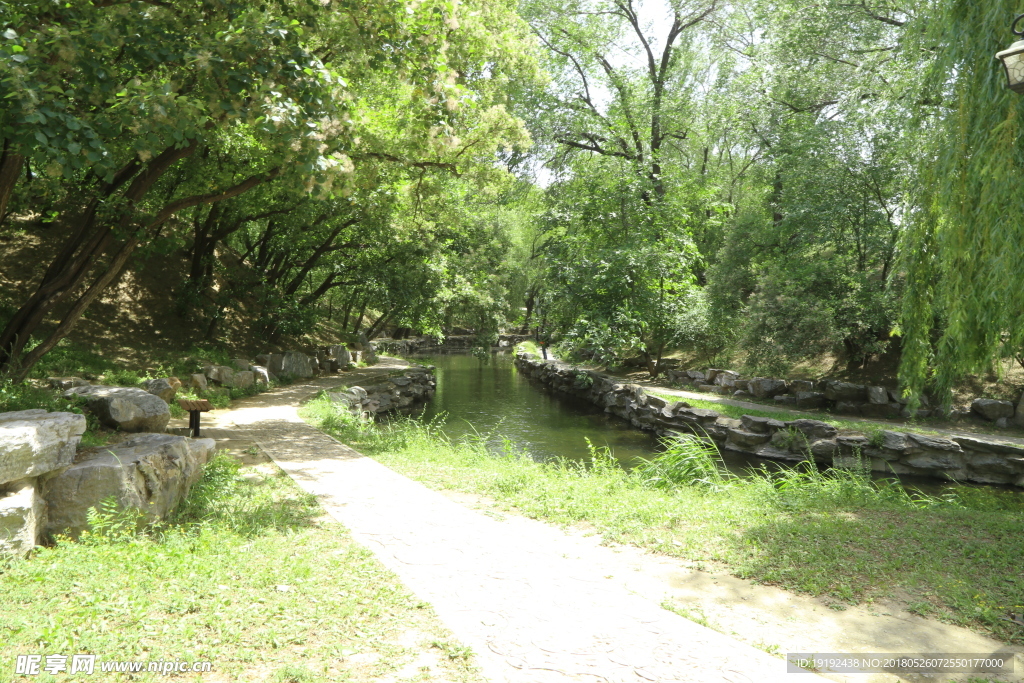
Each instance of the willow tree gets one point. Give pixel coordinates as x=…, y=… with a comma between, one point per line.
x=964, y=305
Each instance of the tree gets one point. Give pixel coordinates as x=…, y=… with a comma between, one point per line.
x=138, y=111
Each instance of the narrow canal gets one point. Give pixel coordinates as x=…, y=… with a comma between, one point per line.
x=496, y=401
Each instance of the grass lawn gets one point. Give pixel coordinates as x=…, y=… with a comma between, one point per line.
x=844, y=537
x=251, y=576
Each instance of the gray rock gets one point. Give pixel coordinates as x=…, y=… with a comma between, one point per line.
x=772, y=453
x=161, y=388
x=151, y=473
x=785, y=399
x=22, y=514
x=852, y=445
x=242, y=380
x=742, y=385
x=848, y=408
x=263, y=360
x=878, y=395
x=198, y=382
x=844, y=391
x=221, y=374
x=814, y=429
x=275, y=363
x=240, y=364
x=824, y=449
x=652, y=401
x=798, y=386
x=895, y=441
x=34, y=442
x=726, y=378
x=753, y=423
x=369, y=355
x=971, y=443
x=65, y=383
x=931, y=443
x=1002, y=423
x=260, y=374
x=882, y=411
x=743, y=440
x=934, y=460
x=314, y=365
x=991, y=409
x=295, y=364
x=742, y=394
x=762, y=387
x=1018, y=416
x=707, y=388
x=810, y=399
x=696, y=374
x=130, y=410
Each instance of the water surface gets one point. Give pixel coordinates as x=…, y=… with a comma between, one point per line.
x=493, y=399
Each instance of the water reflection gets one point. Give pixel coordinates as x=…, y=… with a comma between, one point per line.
x=495, y=400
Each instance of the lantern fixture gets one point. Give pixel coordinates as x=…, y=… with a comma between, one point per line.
x=1013, y=60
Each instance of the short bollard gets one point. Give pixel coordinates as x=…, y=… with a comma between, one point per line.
x=195, y=409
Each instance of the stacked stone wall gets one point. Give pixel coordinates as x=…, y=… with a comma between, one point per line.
x=958, y=458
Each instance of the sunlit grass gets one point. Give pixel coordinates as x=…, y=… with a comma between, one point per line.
x=838, y=534
x=250, y=575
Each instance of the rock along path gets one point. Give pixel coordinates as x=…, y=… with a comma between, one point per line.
x=535, y=604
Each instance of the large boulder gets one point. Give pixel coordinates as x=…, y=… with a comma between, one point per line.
x=242, y=380
x=241, y=364
x=991, y=409
x=161, y=388
x=878, y=396
x=762, y=387
x=22, y=514
x=369, y=355
x=814, y=429
x=34, y=442
x=221, y=374
x=130, y=410
x=198, y=382
x=341, y=355
x=797, y=386
x=295, y=364
x=150, y=473
x=1018, y=416
x=260, y=374
x=844, y=391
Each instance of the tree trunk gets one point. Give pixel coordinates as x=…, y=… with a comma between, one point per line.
x=362, y=314
x=70, y=269
x=10, y=168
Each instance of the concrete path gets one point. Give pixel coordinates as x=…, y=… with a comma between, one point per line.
x=535, y=604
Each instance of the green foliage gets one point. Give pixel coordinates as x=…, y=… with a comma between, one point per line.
x=684, y=461
x=110, y=523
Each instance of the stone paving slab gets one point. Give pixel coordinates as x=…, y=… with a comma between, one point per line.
x=532, y=602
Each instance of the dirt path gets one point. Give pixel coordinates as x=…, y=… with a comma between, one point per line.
x=537, y=604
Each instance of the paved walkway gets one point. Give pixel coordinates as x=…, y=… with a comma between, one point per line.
x=534, y=603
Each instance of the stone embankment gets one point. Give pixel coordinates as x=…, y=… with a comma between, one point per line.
x=401, y=391
x=47, y=486
x=959, y=458
x=841, y=397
